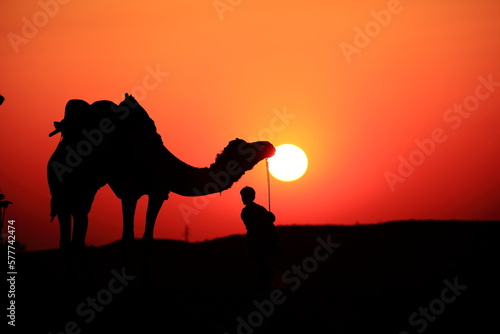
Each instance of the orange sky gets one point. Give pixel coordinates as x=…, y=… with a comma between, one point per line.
x=356, y=86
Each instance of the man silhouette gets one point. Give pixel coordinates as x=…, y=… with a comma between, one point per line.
x=262, y=236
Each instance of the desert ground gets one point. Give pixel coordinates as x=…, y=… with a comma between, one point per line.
x=394, y=277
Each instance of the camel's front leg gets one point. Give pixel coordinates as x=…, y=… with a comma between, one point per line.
x=128, y=211
x=154, y=206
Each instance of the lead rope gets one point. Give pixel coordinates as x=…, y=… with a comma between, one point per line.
x=268, y=186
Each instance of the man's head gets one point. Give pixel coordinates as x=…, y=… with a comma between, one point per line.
x=247, y=195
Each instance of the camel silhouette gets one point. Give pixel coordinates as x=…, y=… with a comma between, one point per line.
x=104, y=143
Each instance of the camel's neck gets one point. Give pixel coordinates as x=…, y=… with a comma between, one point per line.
x=192, y=181
x=229, y=166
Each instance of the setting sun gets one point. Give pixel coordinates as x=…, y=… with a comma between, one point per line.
x=289, y=163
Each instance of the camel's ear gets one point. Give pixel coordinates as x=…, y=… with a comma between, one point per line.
x=129, y=97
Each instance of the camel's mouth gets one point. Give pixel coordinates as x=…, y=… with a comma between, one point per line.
x=264, y=150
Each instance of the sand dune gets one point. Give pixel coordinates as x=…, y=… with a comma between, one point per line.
x=409, y=276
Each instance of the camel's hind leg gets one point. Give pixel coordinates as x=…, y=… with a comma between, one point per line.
x=72, y=245
x=80, y=212
x=64, y=219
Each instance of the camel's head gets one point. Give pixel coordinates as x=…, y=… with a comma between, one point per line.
x=241, y=156
x=263, y=150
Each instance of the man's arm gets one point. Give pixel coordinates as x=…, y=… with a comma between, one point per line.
x=272, y=217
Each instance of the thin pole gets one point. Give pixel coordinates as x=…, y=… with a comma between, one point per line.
x=268, y=186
